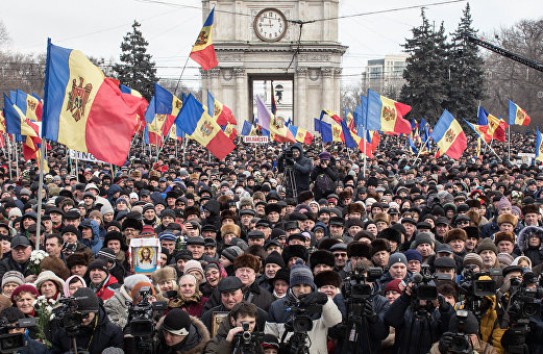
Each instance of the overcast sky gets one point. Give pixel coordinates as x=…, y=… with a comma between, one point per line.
x=97, y=27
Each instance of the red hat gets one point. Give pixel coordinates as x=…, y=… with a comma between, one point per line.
x=394, y=285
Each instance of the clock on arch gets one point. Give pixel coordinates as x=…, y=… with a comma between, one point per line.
x=270, y=25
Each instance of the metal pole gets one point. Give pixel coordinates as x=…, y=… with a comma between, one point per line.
x=181, y=76
x=40, y=191
x=185, y=144
x=9, y=156
x=17, y=174
x=365, y=156
x=416, y=158
x=176, y=147
x=491, y=149
x=509, y=130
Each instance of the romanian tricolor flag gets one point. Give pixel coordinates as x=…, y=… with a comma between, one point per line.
x=518, y=116
x=387, y=115
x=373, y=138
x=275, y=125
x=85, y=110
x=196, y=122
x=301, y=135
x=337, y=133
x=161, y=114
x=449, y=136
x=20, y=125
x=203, y=51
x=230, y=131
x=538, y=146
x=31, y=106
x=222, y=114
x=332, y=115
x=2, y=130
x=138, y=101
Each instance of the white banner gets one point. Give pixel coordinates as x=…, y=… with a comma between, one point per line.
x=253, y=139
x=83, y=156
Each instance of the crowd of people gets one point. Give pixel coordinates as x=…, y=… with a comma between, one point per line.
x=276, y=249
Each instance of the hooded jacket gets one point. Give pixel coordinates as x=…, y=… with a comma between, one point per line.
x=214, y=218
x=302, y=168
x=96, y=243
x=534, y=253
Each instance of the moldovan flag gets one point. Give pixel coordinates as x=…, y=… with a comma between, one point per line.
x=203, y=51
x=131, y=95
x=449, y=136
x=491, y=126
x=518, y=116
x=2, y=130
x=275, y=125
x=161, y=114
x=301, y=135
x=222, y=114
x=387, y=115
x=196, y=122
x=246, y=129
x=31, y=106
x=332, y=115
x=538, y=146
x=230, y=131
x=85, y=110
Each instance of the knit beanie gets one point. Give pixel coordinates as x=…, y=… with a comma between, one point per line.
x=193, y=265
x=13, y=276
x=505, y=259
x=486, y=245
x=394, y=285
x=424, y=237
x=177, y=322
x=412, y=255
x=473, y=258
x=231, y=253
x=397, y=258
x=503, y=203
x=301, y=274
x=275, y=258
x=132, y=280
x=87, y=300
x=98, y=264
x=24, y=288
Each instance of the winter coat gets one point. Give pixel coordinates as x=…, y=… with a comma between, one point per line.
x=194, y=343
x=482, y=348
x=331, y=172
x=116, y=307
x=302, y=168
x=258, y=296
x=207, y=317
x=278, y=316
x=415, y=334
x=105, y=335
x=219, y=345
x=534, y=253
x=33, y=347
x=96, y=243
x=107, y=288
x=8, y=264
x=193, y=307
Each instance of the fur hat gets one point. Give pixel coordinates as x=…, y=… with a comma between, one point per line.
x=247, y=261
x=56, y=265
x=455, y=234
x=305, y=196
x=473, y=258
x=504, y=236
x=78, y=258
x=486, y=245
x=164, y=274
x=49, y=275
x=275, y=258
x=507, y=218
x=231, y=229
x=530, y=208
x=378, y=245
x=328, y=277
x=472, y=231
x=229, y=214
x=359, y=249
x=382, y=217
x=355, y=208
x=132, y=223
x=391, y=234
x=321, y=257
x=298, y=251
x=327, y=243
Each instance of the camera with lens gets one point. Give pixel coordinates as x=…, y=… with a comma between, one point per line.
x=289, y=158
x=424, y=286
x=357, y=288
x=68, y=315
x=69, y=248
x=460, y=343
x=248, y=341
x=303, y=312
x=13, y=343
x=476, y=289
x=524, y=300
x=140, y=315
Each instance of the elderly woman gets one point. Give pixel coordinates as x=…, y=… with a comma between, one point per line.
x=11, y=280
x=189, y=299
x=50, y=285
x=23, y=297
x=164, y=280
x=214, y=272
x=72, y=284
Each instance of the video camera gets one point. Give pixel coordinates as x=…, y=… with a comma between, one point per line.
x=140, y=315
x=13, y=343
x=248, y=341
x=356, y=285
x=476, y=289
x=303, y=311
x=68, y=315
x=424, y=286
x=524, y=301
x=461, y=343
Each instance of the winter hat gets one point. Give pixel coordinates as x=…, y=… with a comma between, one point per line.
x=231, y=253
x=105, y=209
x=270, y=342
x=472, y=231
x=383, y=217
x=503, y=203
x=230, y=229
x=49, y=275
x=13, y=276
x=394, y=285
x=455, y=234
x=77, y=259
x=301, y=274
x=87, y=301
x=424, y=237
x=328, y=277
x=470, y=326
x=486, y=245
x=473, y=258
x=505, y=259
x=359, y=249
x=177, y=322
x=391, y=235
x=193, y=265
x=24, y=288
x=72, y=229
x=132, y=280
x=106, y=254
x=161, y=275
x=297, y=251
x=275, y=258
x=247, y=261
x=515, y=262
x=378, y=245
x=504, y=236
x=397, y=258
x=321, y=257
x=412, y=255
x=135, y=292
x=182, y=254
x=98, y=264
x=66, y=287
x=507, y=218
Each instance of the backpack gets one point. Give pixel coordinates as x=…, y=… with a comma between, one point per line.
x=324, y=183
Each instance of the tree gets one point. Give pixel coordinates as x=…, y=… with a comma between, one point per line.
x=425, y=89
x=466, y=74
x=136, y=69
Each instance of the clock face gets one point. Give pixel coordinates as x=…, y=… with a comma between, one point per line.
x=270, y=25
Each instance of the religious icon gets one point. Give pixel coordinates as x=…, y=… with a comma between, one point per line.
x=144, y=255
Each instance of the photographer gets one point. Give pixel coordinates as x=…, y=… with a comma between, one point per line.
x=303, y=293
x=325, y=176
x=180, y=333
x=418, y=322
x=301, y=165
x=231, y=335
x=93, y=334
x=10, y=318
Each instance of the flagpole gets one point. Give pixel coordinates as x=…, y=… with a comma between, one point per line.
x=181, y=76
x=16, y=156
x=365, y=156
x=40, y=191
x=185, y=144
x=420, y=151
x=9, y=156
x=509, y=133
x=176, y=147
x=491, y=149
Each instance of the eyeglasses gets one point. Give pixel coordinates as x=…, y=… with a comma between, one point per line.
x=342, y=255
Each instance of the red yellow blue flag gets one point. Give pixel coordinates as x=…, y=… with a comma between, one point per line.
x=196, y=122
x=517, y=115
x=489, y=126
x=85, y=110
x=161, y=114
x=230, y=131
x=137, y=99
x=275, y=125
x=302, y=135
x=203, y=51
x=222, y=114
x=387, y=115
x=449, y=136
x=31, y=106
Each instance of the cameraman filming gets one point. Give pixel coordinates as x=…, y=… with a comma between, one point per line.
x=10, y=321
x=301, y=166
x=232, y=337
x=93, y=333
x=298, y=307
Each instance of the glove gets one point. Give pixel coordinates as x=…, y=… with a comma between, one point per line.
x=315, y=298
x=290, y=161
x=445, y=342
x=444, y=306
x=369, y=313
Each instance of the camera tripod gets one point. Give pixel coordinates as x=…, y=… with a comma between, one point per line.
x=290, y=182
x=357, y=324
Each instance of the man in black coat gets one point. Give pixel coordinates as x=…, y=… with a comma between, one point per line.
x=301, y=165
x=96, y=332
x=18, y=259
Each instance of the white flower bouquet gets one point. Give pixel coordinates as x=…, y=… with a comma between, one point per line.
x=36, y=257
